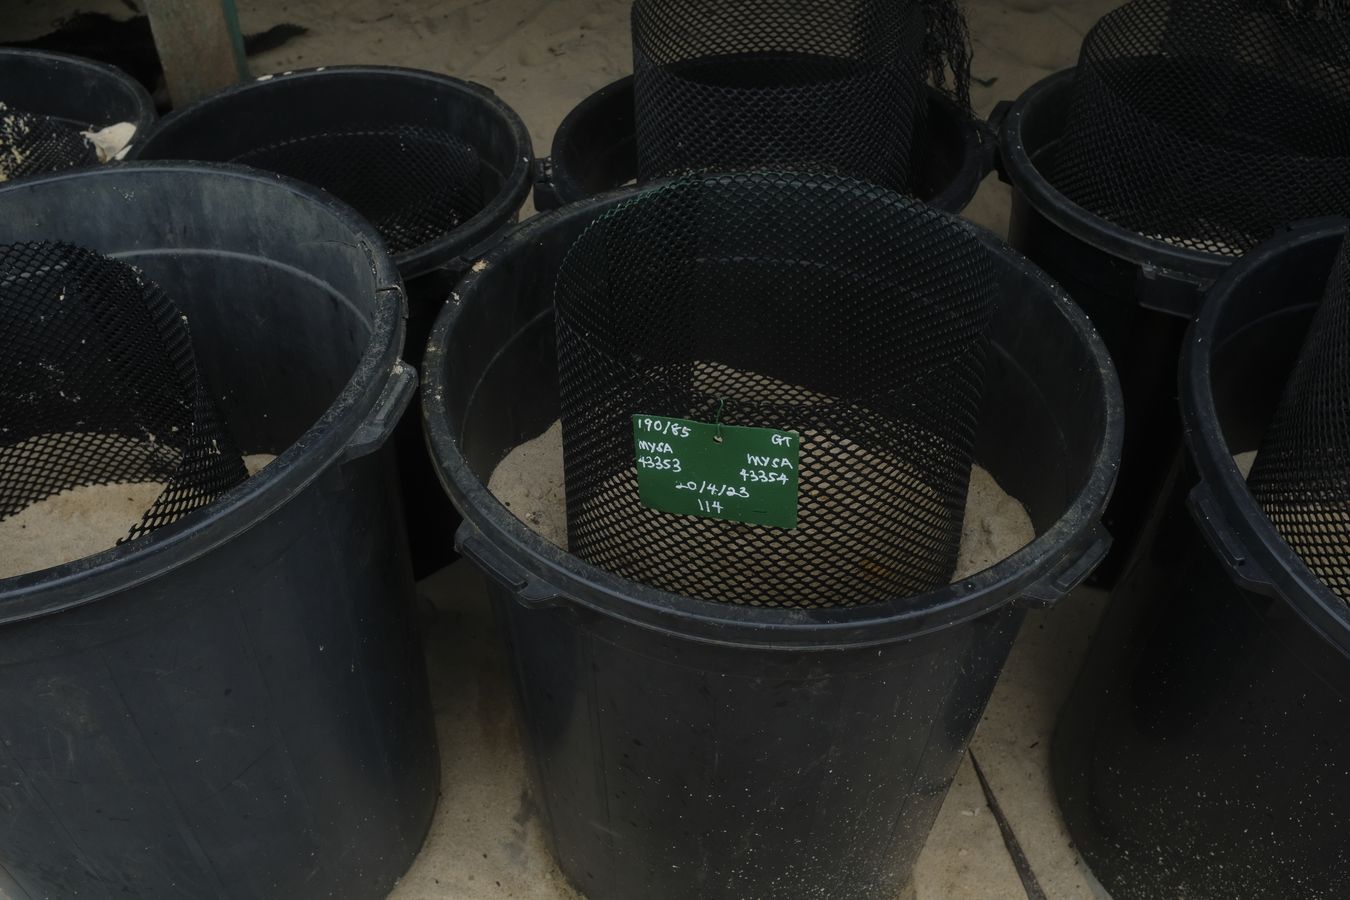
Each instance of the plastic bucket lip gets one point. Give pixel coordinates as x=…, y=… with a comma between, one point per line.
x=137, y=98
x=1289, y=577
x=464, y=240
x=1074, y=219
x=91, y=578
x=954, y=197
x=590, y=587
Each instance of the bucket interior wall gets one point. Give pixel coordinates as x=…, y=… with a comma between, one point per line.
x=252, y=722
x=78, y=92
x=651, y=749
x=272, y=371
x=1199, y=753
x=291, y=107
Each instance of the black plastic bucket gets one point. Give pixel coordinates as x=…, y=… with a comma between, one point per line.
x=1202, y=751
x=595, y=150
x=1140, y=293
x=235, y=706
x=301, y=106
x=688, y=750
x=75, y=91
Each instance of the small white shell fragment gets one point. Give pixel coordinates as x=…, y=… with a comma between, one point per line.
x=111, y=142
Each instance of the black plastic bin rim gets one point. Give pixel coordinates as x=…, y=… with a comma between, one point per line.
x=1016, y=164
x=355, y=424
x=954, y=196
x=464, y=242
x=136, y=94
x=1263, y=562
x=542, y=574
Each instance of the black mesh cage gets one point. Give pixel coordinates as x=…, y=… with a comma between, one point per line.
x=1301, y=477
x=832, y=85
x=31, y=144
x=1209, y=123
x=836, y=309
x=413, y=183
x=99, y=385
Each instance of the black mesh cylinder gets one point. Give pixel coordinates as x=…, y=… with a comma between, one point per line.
x=825, y=306
x=31, y=144
x=1209, y=123
x=414, y=183
x=99, y=385
x=1301, y=476
x=825, y=84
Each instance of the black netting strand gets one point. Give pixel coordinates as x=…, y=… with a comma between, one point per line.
x=1209, y=123
x=414, y=184
x=32, y=144
x=1301, y=477
x=825, y=306
x=947, y=53
x=827, y=85
x=99, y=385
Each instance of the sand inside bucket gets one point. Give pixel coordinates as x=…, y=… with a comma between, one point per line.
x=529, y=482
x=80, y=522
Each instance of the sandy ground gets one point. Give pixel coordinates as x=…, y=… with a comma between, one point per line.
x=542, y=57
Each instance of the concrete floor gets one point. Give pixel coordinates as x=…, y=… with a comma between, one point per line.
x=487, y=843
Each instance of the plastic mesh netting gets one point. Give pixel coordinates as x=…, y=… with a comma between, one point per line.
x=829, y=85
x=414, y=184
x=836, y=309
x=99, y=385
x=32, y=144
x=1301, y=476
x=1209, y=123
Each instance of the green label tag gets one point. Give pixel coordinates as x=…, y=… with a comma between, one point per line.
x=717, y=471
